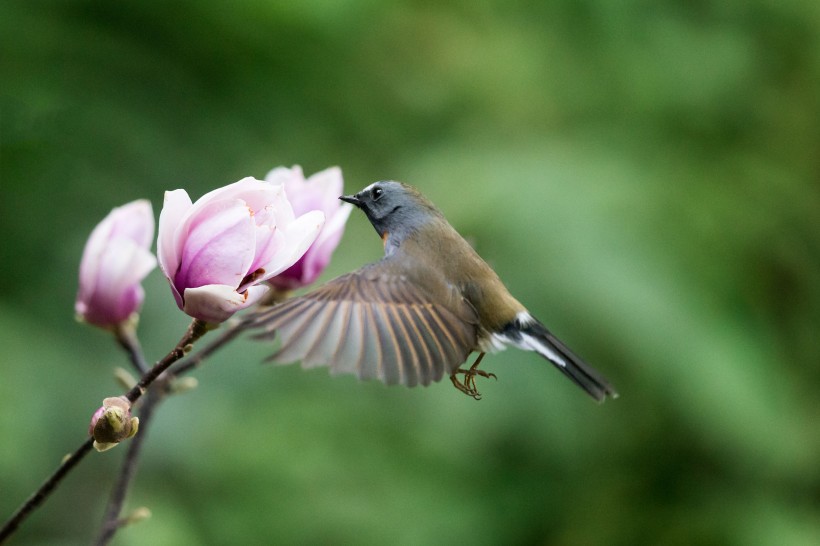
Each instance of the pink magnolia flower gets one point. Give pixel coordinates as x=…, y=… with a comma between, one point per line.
x=215, y=252
x=321, y=191
x=115, y=260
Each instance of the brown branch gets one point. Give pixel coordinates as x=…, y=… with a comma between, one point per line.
x=196, y=329
x=227, y=335
x=127, y=339
x=111, y=520
x=37, y=498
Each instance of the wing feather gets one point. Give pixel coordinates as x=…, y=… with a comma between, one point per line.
x=404, y=345
x=370, y=364
x=348, y=359
x=433, y=342
x=373, y=323
x=424, y=354
x=390, y=346
x=300, y=332
x=329, y=326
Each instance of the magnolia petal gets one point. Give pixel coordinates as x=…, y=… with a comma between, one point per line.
x=267, y=201
x=303, y=195
x=117, y=292
x=267, y=243
x=319, y=192
x=259, y=201
x=92, y=256
x=175, y=207
x=327, y=186
x=282, y=175
x=334, y=227
x=306, y=270
x=255, y=293
x=280, y=208
x=127, y=263
x=218, y=302
x=318, y=256
x=219, y=247
x=297, y=238
x=237, y=190
x=134, y=221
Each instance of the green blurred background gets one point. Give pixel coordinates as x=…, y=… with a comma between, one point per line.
x=645, y=176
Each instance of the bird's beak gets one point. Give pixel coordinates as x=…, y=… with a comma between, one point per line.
x=352, y=199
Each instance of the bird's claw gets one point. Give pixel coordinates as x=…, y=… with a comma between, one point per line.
x=468, y=386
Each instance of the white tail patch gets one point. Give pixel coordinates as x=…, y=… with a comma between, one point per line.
x=530, y=343
x=534, y=344
x=524, y=318
x=498, y=342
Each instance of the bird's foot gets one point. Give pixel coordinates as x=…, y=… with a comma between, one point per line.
x=468, y=386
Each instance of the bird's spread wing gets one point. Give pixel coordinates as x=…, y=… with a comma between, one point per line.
x=373, y=323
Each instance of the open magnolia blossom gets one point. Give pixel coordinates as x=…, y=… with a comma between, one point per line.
x=115, y=260
x=319, y=192
x=217, y=251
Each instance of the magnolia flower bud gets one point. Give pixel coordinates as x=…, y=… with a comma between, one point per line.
x=319, y=192
x=112, y=423
x=215, y=252
x=115, y=260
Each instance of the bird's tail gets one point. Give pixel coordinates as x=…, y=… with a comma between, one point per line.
x=526, y=332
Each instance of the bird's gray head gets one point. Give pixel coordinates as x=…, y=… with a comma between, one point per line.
x=394, y=208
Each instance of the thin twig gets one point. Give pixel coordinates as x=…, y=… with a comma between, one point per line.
x=227, y=335
x=111, y=520
x=127, y=338
x=37, y=498
x=195, y=331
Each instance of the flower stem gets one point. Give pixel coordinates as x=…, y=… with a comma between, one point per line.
x=127, y=338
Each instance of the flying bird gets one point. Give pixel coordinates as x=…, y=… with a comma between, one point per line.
x=418, y=313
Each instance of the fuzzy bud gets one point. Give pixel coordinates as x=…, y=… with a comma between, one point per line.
x=112, y=423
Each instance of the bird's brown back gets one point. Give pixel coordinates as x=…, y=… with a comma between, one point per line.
x=438, y=257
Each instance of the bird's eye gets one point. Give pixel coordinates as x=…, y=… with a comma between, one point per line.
x=376, y=193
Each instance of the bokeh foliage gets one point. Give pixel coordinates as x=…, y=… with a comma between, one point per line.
x=645, y=176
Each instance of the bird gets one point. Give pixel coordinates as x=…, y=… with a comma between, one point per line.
x=417, y=314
